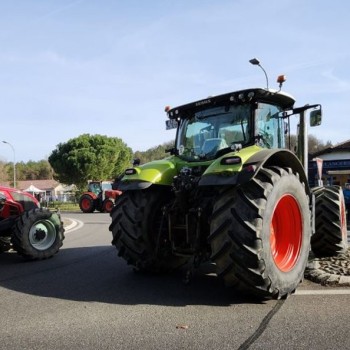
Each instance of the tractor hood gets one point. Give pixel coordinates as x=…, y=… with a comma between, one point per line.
x=159, y=172
x=162, y=172
x=231, y=162
x=228, y=168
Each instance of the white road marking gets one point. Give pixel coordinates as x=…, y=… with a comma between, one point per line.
x=322, y=292
x=75, y=225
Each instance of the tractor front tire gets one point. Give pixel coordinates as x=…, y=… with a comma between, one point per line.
x=86, y=204
x=260, y=233
x=330, y=236
x=5, y=244
x=37, y=234
x=140, y=230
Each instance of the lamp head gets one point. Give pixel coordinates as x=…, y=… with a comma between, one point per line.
x=254, y=61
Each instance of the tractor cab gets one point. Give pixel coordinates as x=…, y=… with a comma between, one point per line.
x=95, y=187
x=99, y=187
x=209, y=128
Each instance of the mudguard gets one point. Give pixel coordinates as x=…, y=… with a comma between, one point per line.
x=252, y=159
x=112, y=194
x=93, y=195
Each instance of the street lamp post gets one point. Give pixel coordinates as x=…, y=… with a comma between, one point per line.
x=14, y=163
x=256, y=62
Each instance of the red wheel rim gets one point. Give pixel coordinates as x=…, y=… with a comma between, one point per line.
x=85, y=204
x=109, y=206
x=343, y=225
x=286, y=233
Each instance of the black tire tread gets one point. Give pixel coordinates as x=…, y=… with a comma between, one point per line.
x=132, y=222
x=5, y=244
x=329, y=238
x=236, y=233
x=20, y=232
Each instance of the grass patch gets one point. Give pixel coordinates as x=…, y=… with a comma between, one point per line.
x=65, y=206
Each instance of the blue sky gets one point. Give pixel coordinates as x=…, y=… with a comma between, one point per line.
x=110, y=67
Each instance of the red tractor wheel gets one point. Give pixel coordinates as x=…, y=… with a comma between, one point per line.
x=107, y=206
x=260, y=233
x=86, y=204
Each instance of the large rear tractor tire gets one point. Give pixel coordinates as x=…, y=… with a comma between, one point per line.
x=86, y=204
x=137, y=220
x=260, y=233
x=38, y=234
x=330, y=236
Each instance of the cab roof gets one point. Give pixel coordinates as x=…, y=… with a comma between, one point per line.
x=279, y=98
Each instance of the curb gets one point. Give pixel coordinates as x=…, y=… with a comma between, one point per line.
x=332, y=271
x=315, y=273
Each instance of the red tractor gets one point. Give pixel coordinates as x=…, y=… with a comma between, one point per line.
x=33, y=232
x=99, y=196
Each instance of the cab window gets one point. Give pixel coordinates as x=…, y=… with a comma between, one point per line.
x=268, y=127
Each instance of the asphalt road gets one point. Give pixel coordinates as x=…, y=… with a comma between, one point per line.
x=88, y=298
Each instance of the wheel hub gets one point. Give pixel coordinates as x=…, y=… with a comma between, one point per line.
x=39, y=234
x=286, y=232
x=42, y=235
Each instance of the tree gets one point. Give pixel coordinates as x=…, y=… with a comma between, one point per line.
x=3, y=173
x=314, y=144
x=154, y=153
x=89, y=157
x=31, y=170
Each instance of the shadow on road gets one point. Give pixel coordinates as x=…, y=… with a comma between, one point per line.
x=96, y=274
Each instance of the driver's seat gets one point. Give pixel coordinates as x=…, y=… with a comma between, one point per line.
x=213, y=145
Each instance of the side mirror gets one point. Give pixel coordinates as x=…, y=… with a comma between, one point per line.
x=136, y=162
x=316, y=117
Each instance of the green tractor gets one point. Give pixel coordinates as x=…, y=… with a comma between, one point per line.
x=231, y=193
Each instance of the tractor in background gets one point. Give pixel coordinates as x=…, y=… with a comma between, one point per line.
x=100, y=196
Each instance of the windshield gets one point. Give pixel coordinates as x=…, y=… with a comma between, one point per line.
x=208, y=131
x=106, y=186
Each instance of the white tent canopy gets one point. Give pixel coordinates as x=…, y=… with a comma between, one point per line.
x=33, y=189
